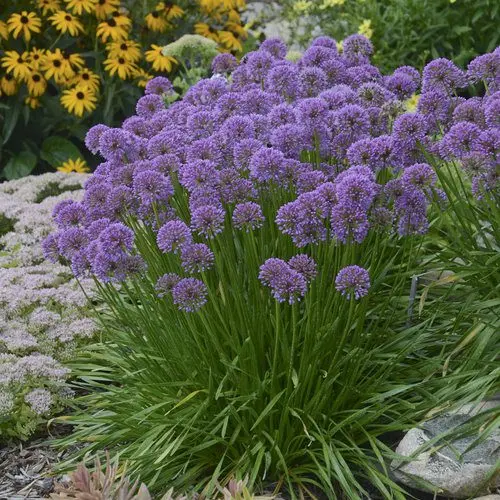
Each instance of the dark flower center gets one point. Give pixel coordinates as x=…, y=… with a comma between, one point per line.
x=68, y=18
x=102, y=2
x=85, y=76
x=112, y=23
x=80, y=95
x=121, y=60
x=36, y=78
x=156, y=14
x=25, y=19
x=123, y=46
x=20, y=60
x=9, y=77
x=57, y=63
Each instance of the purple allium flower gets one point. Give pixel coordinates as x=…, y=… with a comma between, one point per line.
x=234, y=188
x=205, y=149
x=357, y=49
x=120, y=201
x=199, y=174
x=488, y=144
x=408, y=131
x=442, y=74
x=224, y=63
x=324, y=41
x=402, y=85
x=229, y=104
x=201, y=124
x=435, y=105
x=166, y=283
x=486, y=68
x=258, y=64
x=409, y=71
x=353, y=282
x=237, y=128
x=411, y=210
x=72, y=240
x=150, y=104
x=290, y=140
x=173, y=235
x=116, y=267
x=351, y=120
x=381, y=218
x=420, y=175
x=312, y=111
x=339, y=96
x=335, y=71
x=159, y=85
x=470, y=111
x=151, y=186
x=196, y=257
x=356, y=191
x=283, y=114
x=312, y=81
x=208, y=220
x=316, y=55
x=267, y=165
x=309, y=181
x=243, y=152
x=373, y=94
x=304, y=265
x=93, y=137
x=461, y=139
x=113, y=144
x=116, y=237
x=492, y=113
x=190, y=294
x=349, y=223
x=364, y=73
x=328, y=194
x=248, y=216
x=166, y=164
x=286, y=283
x=276, y=47
x=138, y=125
x=258, y=101
x=206, y=92
x=50, y=247
x=202, y=196
x=70, y=214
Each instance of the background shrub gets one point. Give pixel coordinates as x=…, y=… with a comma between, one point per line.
x=80, y=62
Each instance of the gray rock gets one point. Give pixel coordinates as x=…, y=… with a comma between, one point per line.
x=488, y=497
x=451, y=470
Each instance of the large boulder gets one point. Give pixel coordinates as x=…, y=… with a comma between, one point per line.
x=453, y=470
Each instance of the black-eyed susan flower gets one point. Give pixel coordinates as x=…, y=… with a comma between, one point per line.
x=36, y=83
x=79, y=100
x=79, y=6
x=120, y=66
x=16, y=64
x=55, y=66
x=86, y=78
x=32, y=102
x=207, y=31
x=230, y=41
x=121, y=19
x=4, y=31
x=128, y=49
x=170, y=10
x=110, y=29
x=158, y=60
x=48, y=6
x=79, y=166
x=104, y=8
x=24, y=24
x=66, y=23
x=156, y=21
x=35, y=57
x=237, y=29
x=8, y=84
x=142, y=77
x=75, y=61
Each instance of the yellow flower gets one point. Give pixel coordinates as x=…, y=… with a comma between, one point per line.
x=36, y=83
x=123, y=68
x=32, y=102
x=207, y=31
x=4, y=31
x=128, y=49
x=237, y=29
x=24, y=23
x=66, y=23
x=411, y=103
x=158, y=60
x=340, y=46
x=230, y=41
x=105, y=8
x=302, y=6
x=35, y=57
x=79, y=100
x=156, y=21
x=56, y=66
x=365, y=28
x=331, y=3
x=170, y=10
x=79, y=166
x=86, y=78
x=17, y=64
x=8, y=84
x=75, y=61
x=48, y=6
x=78, y=6
x=142, y=77
x=111, y=29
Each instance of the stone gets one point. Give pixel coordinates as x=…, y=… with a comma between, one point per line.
x=488, y=497
x=452, y=470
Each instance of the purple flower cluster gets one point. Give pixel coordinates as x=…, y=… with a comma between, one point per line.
x=307, y=143
x=353, y=282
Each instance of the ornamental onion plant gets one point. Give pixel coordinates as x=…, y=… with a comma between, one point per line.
x=256, y=246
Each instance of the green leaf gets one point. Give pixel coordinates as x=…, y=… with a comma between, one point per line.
x=20, y=165
x=56, y=150
x=11, y=118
